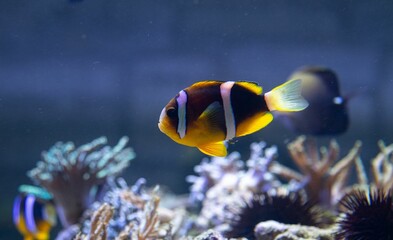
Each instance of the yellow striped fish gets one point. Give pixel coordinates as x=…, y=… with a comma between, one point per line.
x=208, y=113
x=34, y=213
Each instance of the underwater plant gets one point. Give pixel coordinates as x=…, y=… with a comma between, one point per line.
x=324, y=175
x=367, y=215
x=76, y=176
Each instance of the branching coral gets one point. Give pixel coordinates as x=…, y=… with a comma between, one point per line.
x=382, y=167
x=148, y=225
x=381, y=171
x=136, y=214
x=74, y=176
x=99, y=223
x=325, y=177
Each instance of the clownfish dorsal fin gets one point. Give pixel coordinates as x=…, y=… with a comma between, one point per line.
x=253, y=124
x=217, y=149
x=251, y=86
x=214, y=115
x=205, y=83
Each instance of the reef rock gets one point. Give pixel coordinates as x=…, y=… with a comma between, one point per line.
x=272, y=230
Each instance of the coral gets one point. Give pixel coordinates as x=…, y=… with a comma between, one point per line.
x=272, y=230
x=382, y=168
x=210, y=173
x=135, y=214
x=366, y=215
x=209, y=235
x=74, y=176
x=126, y=203
x=99, y=224
x=325, y=177
x=257, y=198
x=283, y=206
x=229, y=182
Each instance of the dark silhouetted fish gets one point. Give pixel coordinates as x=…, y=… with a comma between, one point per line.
x=327, y=113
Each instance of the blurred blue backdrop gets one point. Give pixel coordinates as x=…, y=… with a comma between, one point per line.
x=74, y=71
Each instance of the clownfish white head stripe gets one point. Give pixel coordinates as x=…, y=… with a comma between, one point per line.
x=225, y=90
x=181, y=103
x=29, y=214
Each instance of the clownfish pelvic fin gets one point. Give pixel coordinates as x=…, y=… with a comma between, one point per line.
x=217, y=149
x=286, y=97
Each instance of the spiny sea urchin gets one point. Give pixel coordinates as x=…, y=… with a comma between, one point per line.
x=288, y=208
x=367, y=215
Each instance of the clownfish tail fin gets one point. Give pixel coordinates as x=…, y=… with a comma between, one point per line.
x=286, y=97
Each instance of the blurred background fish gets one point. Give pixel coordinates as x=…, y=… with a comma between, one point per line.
x=327, y=113
x=34, y=213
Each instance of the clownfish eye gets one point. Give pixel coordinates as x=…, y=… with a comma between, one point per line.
x=171, y=112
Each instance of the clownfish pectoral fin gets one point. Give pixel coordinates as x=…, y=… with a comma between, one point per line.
x=213, y=115
x=251, y=86
x=217, y=149
x=254, y=124
x=286, y=97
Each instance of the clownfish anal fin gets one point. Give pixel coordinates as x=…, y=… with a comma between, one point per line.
x=213, y=116
x=217, y=149
x=253, y=124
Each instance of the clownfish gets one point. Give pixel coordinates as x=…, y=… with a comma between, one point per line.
x=209, y=113
x=327, y=113
x=34, y=213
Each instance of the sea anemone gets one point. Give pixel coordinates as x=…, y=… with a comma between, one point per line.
x=74, y=176
x=284, y=207
x=366, y=215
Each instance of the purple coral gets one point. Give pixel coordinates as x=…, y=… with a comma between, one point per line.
x=210, y=173
x=226, y=181
x=135, y=214
x=74, y=175
x=126, y=203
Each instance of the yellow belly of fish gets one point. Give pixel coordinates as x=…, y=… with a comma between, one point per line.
x=201, y=134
